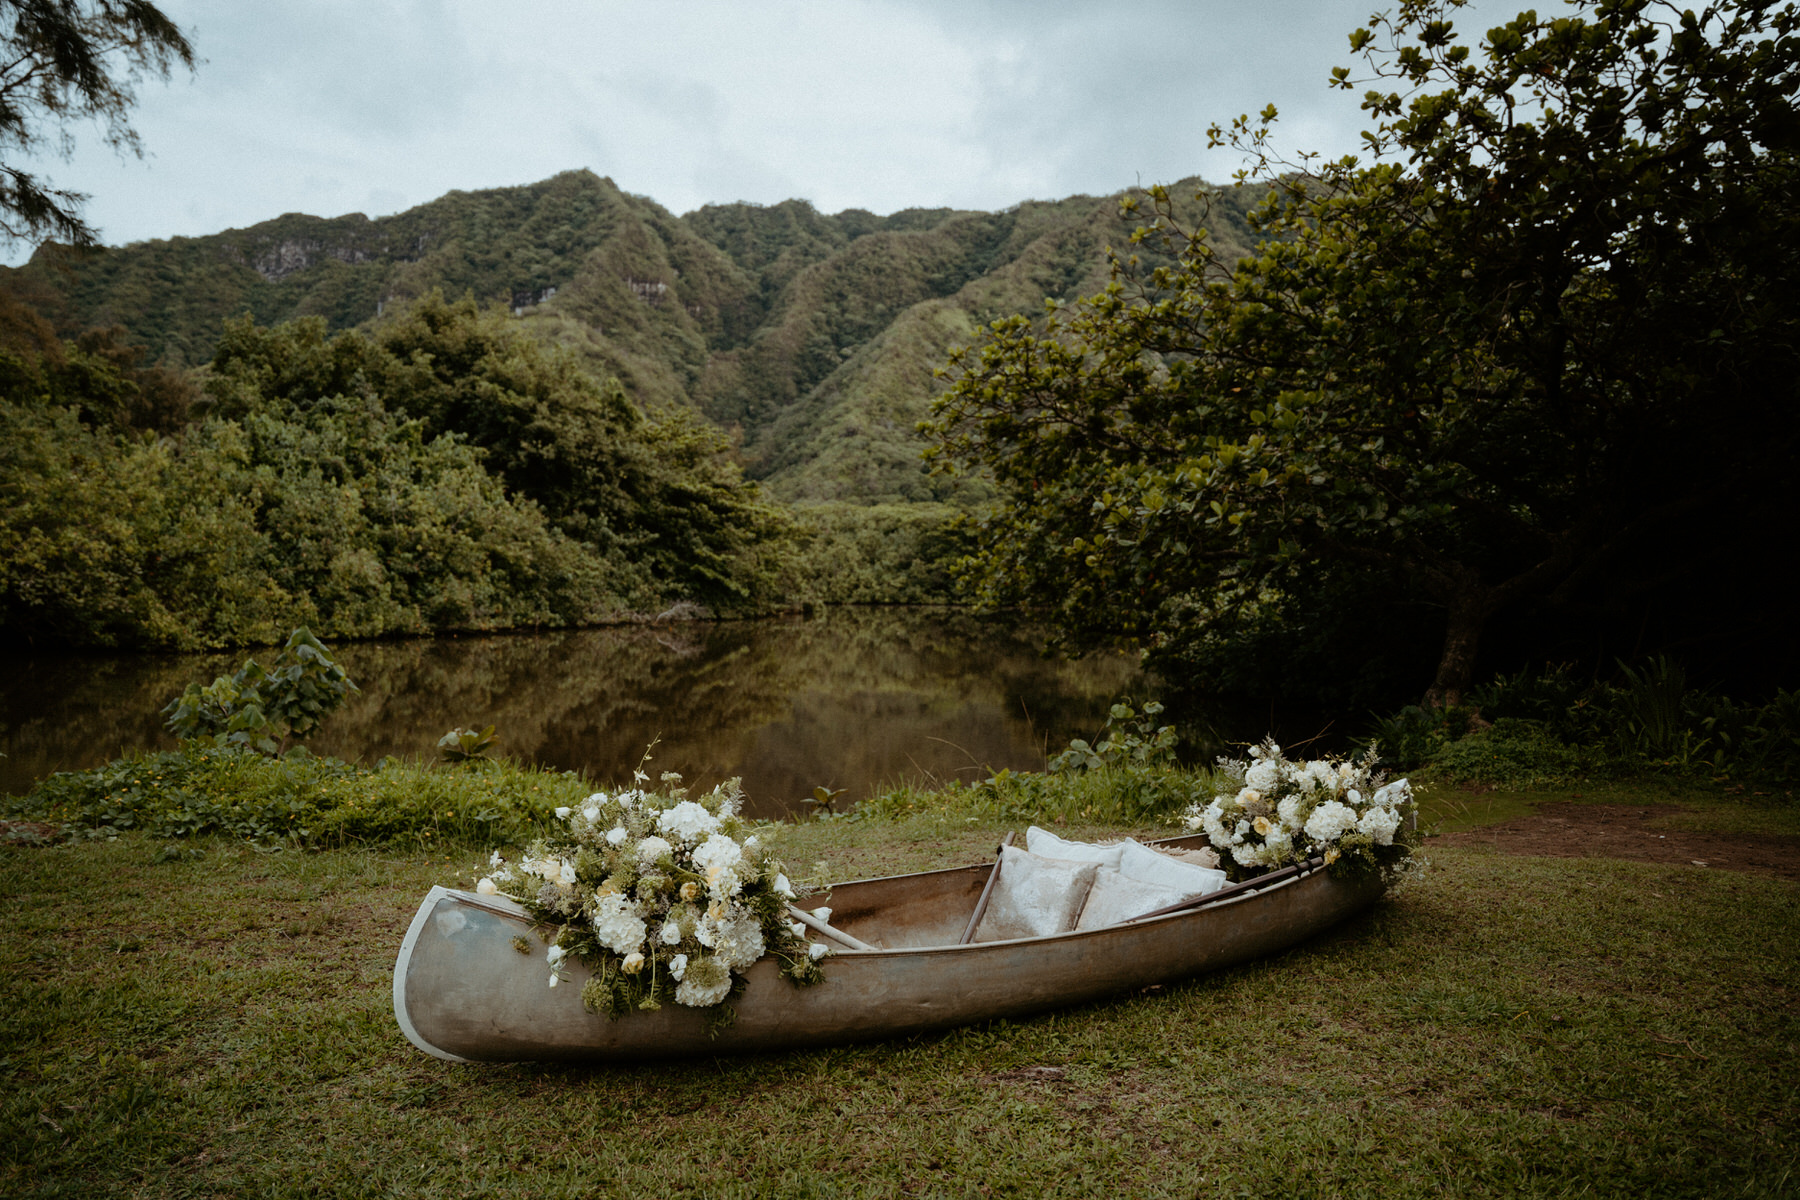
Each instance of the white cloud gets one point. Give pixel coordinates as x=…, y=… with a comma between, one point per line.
x=328, y=106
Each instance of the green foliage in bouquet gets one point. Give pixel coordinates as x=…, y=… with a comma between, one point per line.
x=1285, y=812
x=254, y=706
x=662, y=898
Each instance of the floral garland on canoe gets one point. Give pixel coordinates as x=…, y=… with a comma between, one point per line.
x=662, y=897
x=1285, y=812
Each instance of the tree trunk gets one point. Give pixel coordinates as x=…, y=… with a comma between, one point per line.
x=1469, y=607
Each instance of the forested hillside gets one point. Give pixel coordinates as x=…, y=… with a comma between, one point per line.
x=810, y=337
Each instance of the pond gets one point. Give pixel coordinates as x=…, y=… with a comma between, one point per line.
x=852, y=698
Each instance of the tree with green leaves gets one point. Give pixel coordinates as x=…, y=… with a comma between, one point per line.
x=63, y=62
x=1538, y=357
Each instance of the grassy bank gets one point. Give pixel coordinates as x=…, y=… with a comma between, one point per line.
x=219, y=1023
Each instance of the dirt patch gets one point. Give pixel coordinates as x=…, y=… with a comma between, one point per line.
x=28, y=833
x=1566, y=830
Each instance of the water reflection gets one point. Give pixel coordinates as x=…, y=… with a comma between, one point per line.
x=852, y=699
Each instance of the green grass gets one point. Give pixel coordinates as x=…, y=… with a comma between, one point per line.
x=221, y=1025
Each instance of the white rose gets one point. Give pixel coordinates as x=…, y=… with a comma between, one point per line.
x=633, y=964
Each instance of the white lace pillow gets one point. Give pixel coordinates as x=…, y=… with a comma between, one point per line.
x=1034, y=896
x=1042, y=841
x=1140, y=862
x=1117, y=897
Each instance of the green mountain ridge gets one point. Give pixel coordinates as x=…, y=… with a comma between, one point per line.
x=812, y=337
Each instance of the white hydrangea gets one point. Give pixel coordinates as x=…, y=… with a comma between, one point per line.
x=617, y=925
x=1330, y=821
x=702, y=988
x=1247, y=854
x=1264, y=775
x=1379, y=823
x=718, y=853
x=687, y=822
x=653, y=848
x=734, y=935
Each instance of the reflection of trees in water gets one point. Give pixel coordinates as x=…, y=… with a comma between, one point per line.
x=849, y=699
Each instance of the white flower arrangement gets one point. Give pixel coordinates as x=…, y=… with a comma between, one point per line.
x=1278, y=812
x=662, y=897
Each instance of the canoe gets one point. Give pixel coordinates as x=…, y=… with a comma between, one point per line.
x=464, y=992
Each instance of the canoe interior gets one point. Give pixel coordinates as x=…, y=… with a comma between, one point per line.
x=932, y=908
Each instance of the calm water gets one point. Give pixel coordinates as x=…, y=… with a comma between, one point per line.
x=852, y=699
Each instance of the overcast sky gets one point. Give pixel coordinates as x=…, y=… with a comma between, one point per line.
x=373, y=106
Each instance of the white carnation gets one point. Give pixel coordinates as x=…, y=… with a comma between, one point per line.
x=616, y=835
x=687, y=822
x=1330, y=821
x=617, y=925
x=1289, y=812
x=1394, y=794
x=653, y=848
x=1380, y=823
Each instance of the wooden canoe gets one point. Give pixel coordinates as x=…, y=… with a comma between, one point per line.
x=463, y=992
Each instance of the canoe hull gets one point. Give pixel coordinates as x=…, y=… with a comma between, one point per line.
x=462, y=991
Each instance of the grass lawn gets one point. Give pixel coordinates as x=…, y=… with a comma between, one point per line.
x=221, y=1026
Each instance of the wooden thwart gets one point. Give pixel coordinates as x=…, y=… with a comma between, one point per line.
x=986, y=892
x=838, y=935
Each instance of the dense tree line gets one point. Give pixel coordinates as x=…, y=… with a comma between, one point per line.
x=1524, y=386
x=444, y=472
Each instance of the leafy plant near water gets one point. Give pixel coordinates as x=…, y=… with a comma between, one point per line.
x=464, y=746
x=254, y=706
x=1128, y=740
